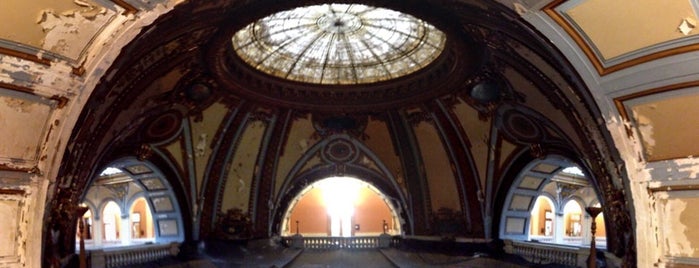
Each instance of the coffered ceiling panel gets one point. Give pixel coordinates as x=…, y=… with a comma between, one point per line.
x=23, y=121
x=618, y=32
x=666, y=122
x=52, y=29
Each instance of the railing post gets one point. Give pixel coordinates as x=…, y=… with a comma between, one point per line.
x=384, y=240
x=97, y=258
x=297, y=241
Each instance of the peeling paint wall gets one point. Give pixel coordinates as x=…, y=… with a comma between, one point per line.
x=40, y=103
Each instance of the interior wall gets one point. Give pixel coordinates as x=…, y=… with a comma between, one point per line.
x=370, y=213
x=311, y=214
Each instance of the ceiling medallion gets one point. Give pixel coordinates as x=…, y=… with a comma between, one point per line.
x=340, y=151
x=339, y=44
x=163, y=127
x=521, y=127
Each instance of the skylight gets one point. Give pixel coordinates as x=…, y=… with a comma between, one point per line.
x=339, y=44
x=573, y=171
x=110, y=171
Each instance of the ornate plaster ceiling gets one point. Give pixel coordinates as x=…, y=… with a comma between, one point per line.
x=57, y=55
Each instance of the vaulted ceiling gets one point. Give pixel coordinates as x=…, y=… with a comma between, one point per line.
x=595, y=83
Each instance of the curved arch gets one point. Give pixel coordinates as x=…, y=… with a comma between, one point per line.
x=300, y=183
x=92, y=208
x=548, y=228
x=144, y=180
x=528, y=183
x=573, y=213
x=337, y=196
x=111, y=227
x=384, y=181
x=104, y=203
x=142, y=226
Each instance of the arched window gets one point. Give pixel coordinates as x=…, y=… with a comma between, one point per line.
x=111, y=222
x=542, y=218
x=87, y=220
x=572, y=218
x=141, y=220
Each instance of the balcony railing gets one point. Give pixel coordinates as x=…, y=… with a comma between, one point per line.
x=540, y=253
x=357, y=242
x=120, y=257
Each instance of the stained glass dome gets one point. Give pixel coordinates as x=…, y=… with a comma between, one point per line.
x=339, y=44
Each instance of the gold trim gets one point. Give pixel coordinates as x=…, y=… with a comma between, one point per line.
x=24, y=56
x=596, y=62
x=128, y=8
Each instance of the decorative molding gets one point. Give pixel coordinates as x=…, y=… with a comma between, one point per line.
x=128, y=8
x=24, y=56
x=598, y=63
x=12, y=192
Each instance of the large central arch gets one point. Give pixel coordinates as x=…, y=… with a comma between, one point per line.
x=344, y=181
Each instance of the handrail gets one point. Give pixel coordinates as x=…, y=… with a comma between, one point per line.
x=119, y=257
x=332, y=242
x=541, y=253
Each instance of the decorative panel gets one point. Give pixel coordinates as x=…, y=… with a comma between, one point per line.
x=440, y=176
x=11, y=232
x=23, y=121
x=138, y=169
x=515, y=225
x=531, y=183
x=61, y=29
x=168, y=227
x=162, y=204
x=657, y=117
x=545, y=168
x=10, y=210
x=521, y=202
x=153, y=184
x=298, y=141
x=607, y=25
x=243, y=168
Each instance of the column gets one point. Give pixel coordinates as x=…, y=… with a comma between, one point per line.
x=97, y=232
x=125, y=230
x=586, y=235
x=560, y=230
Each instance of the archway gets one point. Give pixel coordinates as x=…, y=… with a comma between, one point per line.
x=572, y=220
x=149, y=210
x=543, y=225
x=340, y=206
x=564, y=190
x=111, y=223
x=141, y=220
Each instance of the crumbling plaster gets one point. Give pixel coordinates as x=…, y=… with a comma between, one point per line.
x=58, y=81
x=639, y=174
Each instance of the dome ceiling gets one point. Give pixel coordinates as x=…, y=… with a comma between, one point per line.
x=339, y=44
x=339, y=58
